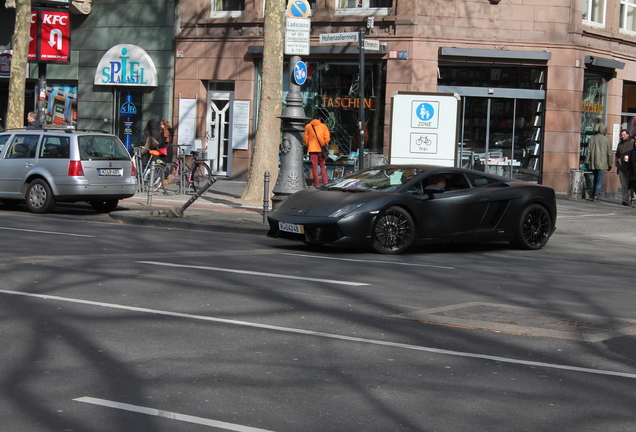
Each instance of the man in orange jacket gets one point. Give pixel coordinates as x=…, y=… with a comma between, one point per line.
x=316, y=136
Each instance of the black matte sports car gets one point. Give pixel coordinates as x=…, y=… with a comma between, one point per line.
x=392, y=207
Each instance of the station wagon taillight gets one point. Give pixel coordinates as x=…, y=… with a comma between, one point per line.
x=133, y=171
x=75, y=169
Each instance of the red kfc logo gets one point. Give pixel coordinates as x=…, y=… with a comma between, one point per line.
x=51, y=36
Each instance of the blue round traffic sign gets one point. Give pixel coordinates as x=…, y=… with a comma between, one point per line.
x=425, y=111
x=300, y=73
x=298, y=8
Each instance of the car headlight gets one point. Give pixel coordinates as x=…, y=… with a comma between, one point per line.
x=343, y=211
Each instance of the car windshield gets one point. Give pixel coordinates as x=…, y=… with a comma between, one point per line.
x=97, y=147
x=377, y=179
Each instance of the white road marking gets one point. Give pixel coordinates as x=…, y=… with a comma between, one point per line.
x=371, y=261
x=168, y=414
x=46, y=232
x=330, y=335
x=253, y=273
x=584, y=216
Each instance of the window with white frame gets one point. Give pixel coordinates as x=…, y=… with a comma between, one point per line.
x=594, y=12
x=227, y=8
x=363, y=7
x=628, y=15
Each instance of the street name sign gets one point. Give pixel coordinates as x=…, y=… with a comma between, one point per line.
x=372, y=45
x=339, y=37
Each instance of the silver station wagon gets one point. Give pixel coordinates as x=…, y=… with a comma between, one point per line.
x=46, y=166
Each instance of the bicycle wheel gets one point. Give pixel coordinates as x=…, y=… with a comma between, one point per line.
x=200, y=176
x=172, y=179
x=157, y=178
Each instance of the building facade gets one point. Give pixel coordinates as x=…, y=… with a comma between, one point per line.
x=534, y=77
x=120, y=73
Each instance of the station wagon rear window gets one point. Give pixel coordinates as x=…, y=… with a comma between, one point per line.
x=101, y=148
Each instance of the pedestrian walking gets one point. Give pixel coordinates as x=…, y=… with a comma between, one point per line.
x=316, y=136
x=32, y=121
x=599, y=158
x=625, y=145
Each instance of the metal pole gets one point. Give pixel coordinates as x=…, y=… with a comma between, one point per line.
x=266, y=197
x=151, y=183
x=361, y=119
x=178, y=211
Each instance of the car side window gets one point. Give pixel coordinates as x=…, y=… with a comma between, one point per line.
x=478, y=180
x=22, y=147
x=3, y=141
x=415, y=189
x=55, y=148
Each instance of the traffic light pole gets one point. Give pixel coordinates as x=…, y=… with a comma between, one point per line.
x=361, y=109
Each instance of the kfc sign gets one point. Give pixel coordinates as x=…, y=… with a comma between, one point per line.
x=50, y=40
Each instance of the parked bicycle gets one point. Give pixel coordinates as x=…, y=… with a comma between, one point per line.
x=145, y=173
x=179, y=175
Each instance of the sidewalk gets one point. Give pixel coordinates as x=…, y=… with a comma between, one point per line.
x=220, y=209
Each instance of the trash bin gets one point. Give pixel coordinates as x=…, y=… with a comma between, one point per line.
x=576, y=184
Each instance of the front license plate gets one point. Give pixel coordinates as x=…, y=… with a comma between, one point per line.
x=116, y=172
x=292, y=228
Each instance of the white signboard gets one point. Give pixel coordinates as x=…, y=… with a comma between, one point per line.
x=187, y=123
x=240, y=124
x=371, y=45
x=297, y=36
x=126, y=65
x=424, y=128
x=339, y=37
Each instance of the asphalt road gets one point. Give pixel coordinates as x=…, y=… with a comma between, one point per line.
x=108, y=327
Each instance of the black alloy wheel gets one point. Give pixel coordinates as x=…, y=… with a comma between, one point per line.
x=533, y=228
x=393, y=232
x=39, y=198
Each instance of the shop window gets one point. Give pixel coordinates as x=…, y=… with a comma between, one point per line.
x=366, y=7
x=593, y=111
x=227, y=8
x=628, y=15
x=594, y=12
x=332, y=89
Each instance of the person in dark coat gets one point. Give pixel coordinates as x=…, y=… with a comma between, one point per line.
x=150, y=139
x=32, y=121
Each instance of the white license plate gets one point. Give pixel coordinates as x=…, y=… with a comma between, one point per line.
x=292, y=228
x=117, y=172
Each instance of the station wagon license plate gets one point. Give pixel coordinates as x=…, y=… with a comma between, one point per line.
x=116, y=172
x=292, y=228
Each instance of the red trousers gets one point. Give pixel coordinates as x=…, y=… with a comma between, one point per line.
x=318, y=158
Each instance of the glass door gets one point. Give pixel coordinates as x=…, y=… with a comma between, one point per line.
x=502, y=136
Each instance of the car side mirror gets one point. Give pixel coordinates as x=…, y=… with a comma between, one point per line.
x=431, y=190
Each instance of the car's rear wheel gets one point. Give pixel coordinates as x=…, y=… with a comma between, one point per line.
x=533, y=228
x=39, y=198
x=393, y=231
x=105, y=206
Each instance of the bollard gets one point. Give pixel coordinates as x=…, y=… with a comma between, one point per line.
x=266, y=197
x=178, y=211
x=576, y=184
x=151, y=183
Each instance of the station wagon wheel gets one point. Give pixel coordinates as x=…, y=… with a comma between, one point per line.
x=393, y=231
x=106, y=206
x=533, y=228
x=39, y=198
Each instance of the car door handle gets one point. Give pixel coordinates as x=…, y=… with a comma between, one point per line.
x=28, y=165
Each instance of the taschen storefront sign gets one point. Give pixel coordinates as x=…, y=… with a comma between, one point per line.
x=126, y=65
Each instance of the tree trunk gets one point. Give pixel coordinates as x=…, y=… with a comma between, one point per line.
x=17, y=79
x=267, y=140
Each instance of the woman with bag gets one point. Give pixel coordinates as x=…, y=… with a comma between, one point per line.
x=317, y=139
x=150, y=140
x=167, y=132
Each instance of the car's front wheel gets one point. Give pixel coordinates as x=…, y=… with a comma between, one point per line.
x=534, y=228
x=104, y=206
x=39, y=198
x=393, y=231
